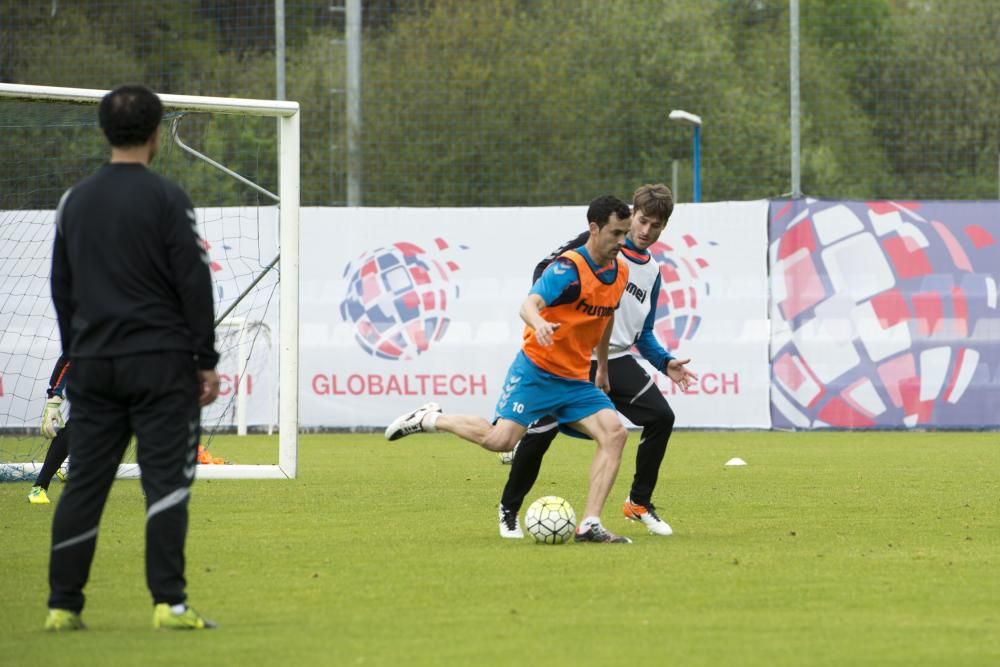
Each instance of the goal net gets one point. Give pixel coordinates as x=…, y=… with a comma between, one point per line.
x=239, y=161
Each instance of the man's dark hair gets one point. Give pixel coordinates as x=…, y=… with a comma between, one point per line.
x=129, y=115
x=600, y=210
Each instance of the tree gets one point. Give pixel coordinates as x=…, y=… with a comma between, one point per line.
x=935, y=98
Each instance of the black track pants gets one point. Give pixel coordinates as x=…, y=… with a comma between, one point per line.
x=155, y=397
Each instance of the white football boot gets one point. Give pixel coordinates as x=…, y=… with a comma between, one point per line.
x=410, y=423
x=510, y=525
x=646, y=514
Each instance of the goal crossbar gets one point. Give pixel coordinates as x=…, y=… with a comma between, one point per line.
x=247, y=107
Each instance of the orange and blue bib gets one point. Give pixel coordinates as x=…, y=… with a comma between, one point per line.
x=582, y=321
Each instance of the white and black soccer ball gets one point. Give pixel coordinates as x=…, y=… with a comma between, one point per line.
x=550, y=520
x=506, y=458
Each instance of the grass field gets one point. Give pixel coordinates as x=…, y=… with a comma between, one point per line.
x=827, y=549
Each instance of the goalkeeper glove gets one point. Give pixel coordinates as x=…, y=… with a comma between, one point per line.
x=52, y=418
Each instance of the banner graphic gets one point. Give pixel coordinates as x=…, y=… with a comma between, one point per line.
x=403, y=306
x=884, y=314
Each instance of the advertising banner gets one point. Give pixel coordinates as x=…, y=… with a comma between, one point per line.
x=402, y=306
x=885, y=314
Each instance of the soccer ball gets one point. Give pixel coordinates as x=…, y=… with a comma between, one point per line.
x=506, y=458
x=550, y=520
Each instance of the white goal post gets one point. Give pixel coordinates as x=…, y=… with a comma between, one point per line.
x=287, y=196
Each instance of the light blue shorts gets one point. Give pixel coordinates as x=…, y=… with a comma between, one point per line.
x=529, y=393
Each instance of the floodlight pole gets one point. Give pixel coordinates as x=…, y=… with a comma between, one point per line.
x=795, y=110
x=354, y=157
x=674, y=166
x=680, y=116
x=279, y=49
x=697, y=163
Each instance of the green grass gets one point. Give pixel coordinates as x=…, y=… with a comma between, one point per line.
x=827, y=549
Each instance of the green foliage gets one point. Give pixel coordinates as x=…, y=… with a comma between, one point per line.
x=510, y=102
x=556, y=116
x=941, y=122
x=413, y=108
x=827, y=549
x=844, y=29
x=246, y=145
x=47, y=148
x=316, y=81
x=75, y=53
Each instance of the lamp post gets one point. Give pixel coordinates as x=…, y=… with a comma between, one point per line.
x=689, y=118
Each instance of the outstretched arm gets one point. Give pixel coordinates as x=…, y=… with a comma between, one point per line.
x=653, y=352
x=558, y=283
x=677, y=371
x=52, y=418
x=57, y=381
x=645, y=341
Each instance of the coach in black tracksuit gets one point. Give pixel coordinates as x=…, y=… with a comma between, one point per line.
x=132, y=292
x=632, y=391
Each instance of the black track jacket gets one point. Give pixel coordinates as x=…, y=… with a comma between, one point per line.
x=129, y=272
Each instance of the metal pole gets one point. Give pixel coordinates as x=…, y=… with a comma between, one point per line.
x=242, y=384
x=793, y=88
x=288, y=296
x=674, y=167
x=688, y=118
x=697, y=163
x=279, y=48
x=354, y=165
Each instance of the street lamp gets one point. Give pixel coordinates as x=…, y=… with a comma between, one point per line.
x=691, y=119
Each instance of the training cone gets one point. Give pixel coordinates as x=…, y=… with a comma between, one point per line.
x=736, y=462
x=205, y=458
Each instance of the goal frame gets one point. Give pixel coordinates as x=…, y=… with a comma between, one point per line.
x=287, y=114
